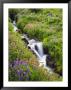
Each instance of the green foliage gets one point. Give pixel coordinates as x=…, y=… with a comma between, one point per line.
x=12, y=75
x=54, y=44
x=19, y=69
x=10, y=26
x=17, y=48
x=41, y=74
x=13, y=14
x=22, y=71
x=44, y=25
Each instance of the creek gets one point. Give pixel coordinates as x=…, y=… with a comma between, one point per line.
x=36, y=47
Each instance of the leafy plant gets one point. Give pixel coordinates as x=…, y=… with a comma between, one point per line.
x=10, y=26
x=17, y=48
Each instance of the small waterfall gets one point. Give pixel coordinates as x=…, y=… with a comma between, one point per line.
x=40, y=48
x=25, y=36
x=32, y=41
x=36, y=47
x=14, y=25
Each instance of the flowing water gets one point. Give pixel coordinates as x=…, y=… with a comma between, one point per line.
x=14, y=25
x=37, y=48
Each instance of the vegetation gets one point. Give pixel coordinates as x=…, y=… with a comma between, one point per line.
x=10, y=26
x=44, y=25
x=20, y=70
x=17, y=48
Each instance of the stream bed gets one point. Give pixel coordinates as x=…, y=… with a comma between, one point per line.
x=37, y=48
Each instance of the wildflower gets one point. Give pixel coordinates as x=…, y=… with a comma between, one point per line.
x=21, y=69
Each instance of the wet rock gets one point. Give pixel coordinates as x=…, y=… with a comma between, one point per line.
x=45, y=50
x=49, y=62
x=36, y=47
x=25, y=41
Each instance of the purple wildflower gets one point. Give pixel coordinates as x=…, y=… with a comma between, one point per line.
x=18, y=72
x=27, y=78
x=20, y=78
x=10, y=65
x=22, y=72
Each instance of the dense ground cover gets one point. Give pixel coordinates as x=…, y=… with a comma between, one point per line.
x=45, y=25
x=22, y=61
x=41, y=24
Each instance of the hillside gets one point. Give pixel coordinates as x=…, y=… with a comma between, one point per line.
x=44, y=25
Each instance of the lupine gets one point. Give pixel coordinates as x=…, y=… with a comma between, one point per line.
x=19, y=71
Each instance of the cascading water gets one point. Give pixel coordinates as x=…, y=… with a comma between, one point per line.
x=14, y=25
x=36, y=47
x=40, y=48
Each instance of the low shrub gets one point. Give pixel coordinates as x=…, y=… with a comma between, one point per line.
x=17, y=48
x=54, y=46
x=20, y=70
x=10, y=26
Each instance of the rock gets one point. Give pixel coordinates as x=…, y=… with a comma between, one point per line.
x=36, y=47
x=45, y=50
x=49, y=62
x=25, y=40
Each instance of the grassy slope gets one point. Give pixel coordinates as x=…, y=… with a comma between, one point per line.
x=17, y=49
x=47, y=31
x=45, y=26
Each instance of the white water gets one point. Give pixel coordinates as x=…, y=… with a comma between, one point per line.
x=40, y=48
x=41, y=56
x=14, y=25
x=39, y=52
